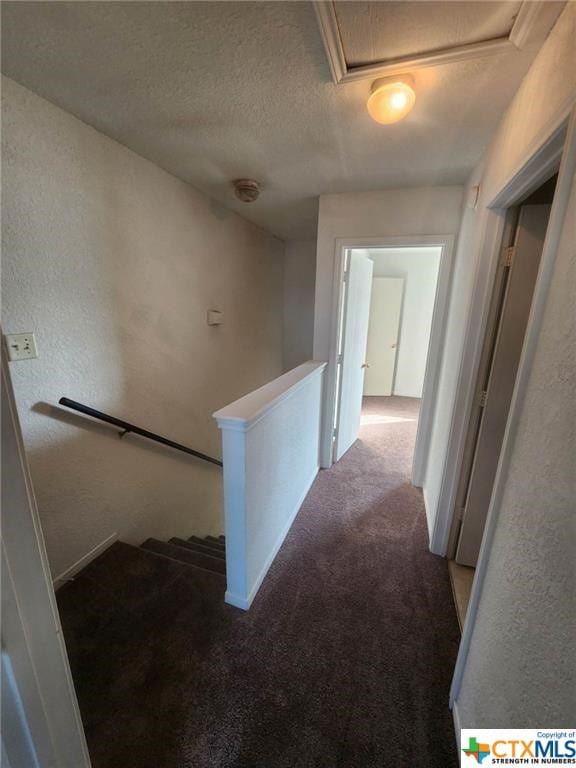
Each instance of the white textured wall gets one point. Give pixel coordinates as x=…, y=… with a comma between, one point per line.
x=271, y=457
x=461, y=289
x=354, y=216
x=387, y=213
x=299, y=281
x=520, y=667
x=419, y=268
x=553, y=73
x=520, y=670
x=113, y=263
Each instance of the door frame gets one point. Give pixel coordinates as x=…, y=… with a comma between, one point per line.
x=556, y=143
x=539, y=164
x=439, y=316
x=41, y=687
x=473, y=425
x=510, y=288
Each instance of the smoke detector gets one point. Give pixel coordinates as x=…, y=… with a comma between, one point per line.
x=246, y=190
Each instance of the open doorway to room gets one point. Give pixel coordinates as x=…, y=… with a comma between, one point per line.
x=510, y=305
x=389, y=329
x=401, y=308
x=403, y=291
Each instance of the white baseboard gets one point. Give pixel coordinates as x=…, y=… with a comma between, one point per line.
x=244, y=602
x=236, y=600
x=69, y=573
x=427, y=512
x=457, y=725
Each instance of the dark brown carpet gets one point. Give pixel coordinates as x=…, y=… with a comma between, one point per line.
x=344, y=660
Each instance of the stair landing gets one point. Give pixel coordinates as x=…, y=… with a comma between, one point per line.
x=129, y=614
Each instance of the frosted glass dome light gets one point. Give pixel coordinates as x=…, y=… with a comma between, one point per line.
x=391, y=99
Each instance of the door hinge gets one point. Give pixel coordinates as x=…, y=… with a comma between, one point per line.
x=483, y=398
x=509, y=254
x=338, y=359
x=346, y=273
x=460, y=513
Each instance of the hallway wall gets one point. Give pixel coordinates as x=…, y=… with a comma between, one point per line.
x=525, y=621
x=365, y=215
x=299, y=282
x=113, y=263
x=386, y=213
x=524, y=631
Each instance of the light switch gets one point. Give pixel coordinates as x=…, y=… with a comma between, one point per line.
x=21, y=346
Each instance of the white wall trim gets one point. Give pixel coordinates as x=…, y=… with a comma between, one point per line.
x=245, y=413
x=537, y=165
x=439, y=317
x=524, y=23
x=522, y=29
x=427, y=507
x=328, y=24
x=45, y=681
x=235, y=517
x=544, y=152
x=433, y=360
x=457, y=725
x=237, y=600
x=469, y=362
x=69, y=573
x=555, y=226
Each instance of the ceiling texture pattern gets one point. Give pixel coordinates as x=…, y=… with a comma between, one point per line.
x=214, y=91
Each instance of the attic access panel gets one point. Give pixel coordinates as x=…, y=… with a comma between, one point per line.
x=381, y=31
x=366, y=40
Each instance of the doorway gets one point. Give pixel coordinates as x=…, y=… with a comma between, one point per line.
x=510, y=305
x=388, y=312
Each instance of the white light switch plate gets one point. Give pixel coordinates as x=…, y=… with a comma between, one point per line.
x=21, y=346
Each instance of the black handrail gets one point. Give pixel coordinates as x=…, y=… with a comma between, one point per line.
x=127, y=427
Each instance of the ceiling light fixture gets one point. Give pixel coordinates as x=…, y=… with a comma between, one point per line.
x=391, y=99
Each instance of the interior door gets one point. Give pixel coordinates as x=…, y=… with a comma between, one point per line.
x=496, y=395
x=383, y=328
x=356, y=313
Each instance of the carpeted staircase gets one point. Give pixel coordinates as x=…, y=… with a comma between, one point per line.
x=208, y=553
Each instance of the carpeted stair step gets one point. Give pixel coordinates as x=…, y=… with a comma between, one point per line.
x=198, y=559
x=195, y=547
x=217, y=541
x=209, y=544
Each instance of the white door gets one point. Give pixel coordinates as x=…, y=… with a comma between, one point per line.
x=356, y=312
x=504, y=357
x=385, y=309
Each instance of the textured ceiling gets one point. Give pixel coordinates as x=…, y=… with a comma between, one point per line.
x=219, y=90
x=378, y=31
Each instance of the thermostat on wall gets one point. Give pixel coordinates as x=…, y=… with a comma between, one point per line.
x=214, y=317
